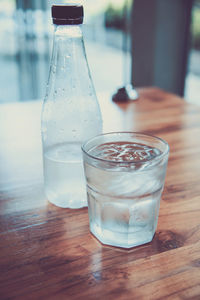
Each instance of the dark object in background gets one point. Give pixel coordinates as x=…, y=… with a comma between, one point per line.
x=125, y=94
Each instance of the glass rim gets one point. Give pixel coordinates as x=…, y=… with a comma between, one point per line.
x=142, y=134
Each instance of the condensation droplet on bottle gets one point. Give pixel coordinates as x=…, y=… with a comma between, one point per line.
x=54, y=69
x=44, y=129
x=74, y=133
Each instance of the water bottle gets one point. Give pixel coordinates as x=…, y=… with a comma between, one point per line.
x=70, y=113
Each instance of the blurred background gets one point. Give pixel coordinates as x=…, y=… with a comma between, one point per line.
x=114, y=36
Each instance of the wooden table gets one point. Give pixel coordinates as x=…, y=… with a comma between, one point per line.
x=48, y=253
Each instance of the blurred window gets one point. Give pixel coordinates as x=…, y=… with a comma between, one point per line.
x=26, y=43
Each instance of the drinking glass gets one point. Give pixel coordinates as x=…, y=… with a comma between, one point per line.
x=125, y=174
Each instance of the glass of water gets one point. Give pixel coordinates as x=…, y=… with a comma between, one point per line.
x=125, y=174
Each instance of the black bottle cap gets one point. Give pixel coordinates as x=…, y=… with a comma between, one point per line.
x=67, y=14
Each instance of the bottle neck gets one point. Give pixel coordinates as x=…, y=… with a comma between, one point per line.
x=69, y=62
x=68, y=43
x=68, y=31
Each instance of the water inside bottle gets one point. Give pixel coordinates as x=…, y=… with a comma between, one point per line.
x=64, y=176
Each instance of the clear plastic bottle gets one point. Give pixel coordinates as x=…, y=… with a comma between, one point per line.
x=71, y=112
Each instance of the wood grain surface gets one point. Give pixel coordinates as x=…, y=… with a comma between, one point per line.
x=47, y=252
